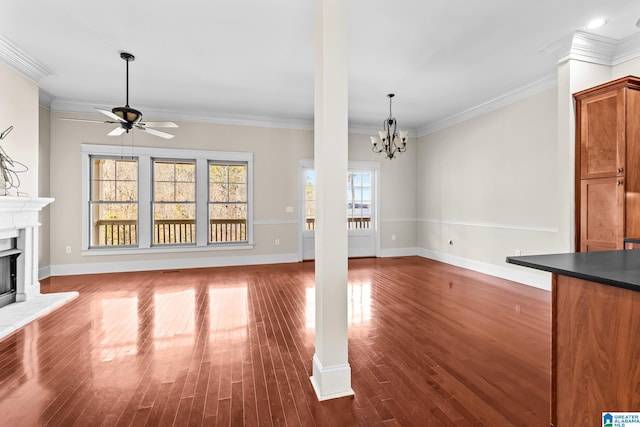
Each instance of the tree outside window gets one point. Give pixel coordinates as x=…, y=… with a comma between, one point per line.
x=114, y=201
x=227, y=202
x=174, y=201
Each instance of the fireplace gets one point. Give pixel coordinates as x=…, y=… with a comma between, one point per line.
x=19, y=248
x=19, y=285
x=8, y=272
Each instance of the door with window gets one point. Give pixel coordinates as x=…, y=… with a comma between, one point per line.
x=361, y=210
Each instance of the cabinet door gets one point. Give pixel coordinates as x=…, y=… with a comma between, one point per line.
x=602, y=214
x=602, y=135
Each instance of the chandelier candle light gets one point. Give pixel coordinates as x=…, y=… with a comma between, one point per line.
x=390, y=141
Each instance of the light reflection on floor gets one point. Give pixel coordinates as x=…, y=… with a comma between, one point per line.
x=226, y=312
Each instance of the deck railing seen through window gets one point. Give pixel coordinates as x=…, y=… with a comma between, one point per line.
x=111, y=232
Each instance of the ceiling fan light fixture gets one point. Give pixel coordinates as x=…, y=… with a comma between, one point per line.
x=127, y=118
x=130, y=115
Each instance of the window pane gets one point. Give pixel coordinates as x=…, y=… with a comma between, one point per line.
x=237, y=174
x=114, y=179
x=237, y=193
x=127, y=191
x=310, y=199
x=114, y=224
x=174, y=223
x=126, y=170
x=185, y=172
x=163, y=191
x=174, y=181
x=218, y=192
x=217, y=173
x=185, y=192
x=163, y=171
x=227, y=223
x=359, y=200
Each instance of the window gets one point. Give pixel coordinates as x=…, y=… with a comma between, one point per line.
x=165, y=199
x=358, y=200
x=227, y=202
x=174, y=201
x=113, y=201
x=310, y=199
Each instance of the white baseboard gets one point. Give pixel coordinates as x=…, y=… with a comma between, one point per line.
x=44, y=272
x=386, y=253
x=168, y=264
x=537, y=279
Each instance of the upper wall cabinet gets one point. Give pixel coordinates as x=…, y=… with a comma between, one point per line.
x=608, y=146
x=602, y=145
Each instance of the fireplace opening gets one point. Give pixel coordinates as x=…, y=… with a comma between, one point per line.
x=8, y=274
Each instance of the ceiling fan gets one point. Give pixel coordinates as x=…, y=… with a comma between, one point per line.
x=127, y=117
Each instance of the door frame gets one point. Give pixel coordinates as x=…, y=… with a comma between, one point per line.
x=355, y=165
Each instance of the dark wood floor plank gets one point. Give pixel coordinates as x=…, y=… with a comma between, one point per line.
x=429, y=345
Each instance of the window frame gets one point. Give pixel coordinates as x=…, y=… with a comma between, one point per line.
x=209, y=201
x=155, y=202
x=94, y=201
x=145, y=156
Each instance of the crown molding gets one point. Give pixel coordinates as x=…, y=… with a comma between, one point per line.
x=581, y=46
x=546, y=82
x=45, y=99
x=587, y=47
x=16, y=58
x=628, y=49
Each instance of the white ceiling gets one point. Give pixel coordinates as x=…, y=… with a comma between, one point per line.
x=252, y=60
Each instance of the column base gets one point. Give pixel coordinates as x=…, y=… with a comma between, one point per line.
x=331, y=383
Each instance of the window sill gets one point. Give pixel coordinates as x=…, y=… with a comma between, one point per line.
x=166, y=249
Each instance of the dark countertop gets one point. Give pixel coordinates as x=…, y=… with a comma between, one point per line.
x=615, y=268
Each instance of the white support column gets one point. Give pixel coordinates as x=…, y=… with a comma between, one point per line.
x=331, y=372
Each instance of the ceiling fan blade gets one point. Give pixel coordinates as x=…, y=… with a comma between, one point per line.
x=111, y=115
x=82, y=120
x=117, y=131
x=155, y=132
x=160, y=124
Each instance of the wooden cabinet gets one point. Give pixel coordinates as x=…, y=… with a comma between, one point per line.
x=602, y=213
x=608, y=165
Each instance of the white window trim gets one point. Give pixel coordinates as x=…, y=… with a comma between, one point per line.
x=145, y=156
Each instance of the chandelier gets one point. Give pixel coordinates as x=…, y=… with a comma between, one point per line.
x=390, y=141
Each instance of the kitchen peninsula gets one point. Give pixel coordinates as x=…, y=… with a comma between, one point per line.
x=595, y=329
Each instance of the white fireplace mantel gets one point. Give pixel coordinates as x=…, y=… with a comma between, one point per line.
x=19, y=219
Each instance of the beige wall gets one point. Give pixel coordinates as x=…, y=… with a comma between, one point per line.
x=488, y=184
x=19, y=108
x=276, y=158
x=44, y=259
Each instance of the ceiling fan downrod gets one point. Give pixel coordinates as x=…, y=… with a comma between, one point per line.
x=131, y=116
x=128, y=58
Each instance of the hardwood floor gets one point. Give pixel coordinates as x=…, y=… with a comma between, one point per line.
x=429, y=345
